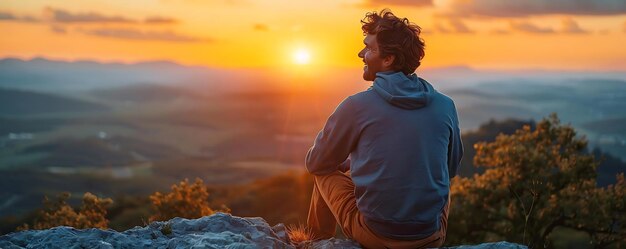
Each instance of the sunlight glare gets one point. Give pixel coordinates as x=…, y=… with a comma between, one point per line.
x=301, y=56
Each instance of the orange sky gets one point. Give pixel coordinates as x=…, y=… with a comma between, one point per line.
x=547, y=34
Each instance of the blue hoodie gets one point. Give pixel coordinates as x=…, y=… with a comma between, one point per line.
x=402, y=143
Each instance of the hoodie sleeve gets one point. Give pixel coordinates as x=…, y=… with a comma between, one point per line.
x=335, y=142
x=455, y=146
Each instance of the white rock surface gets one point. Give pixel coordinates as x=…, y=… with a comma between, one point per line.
x=216, y=231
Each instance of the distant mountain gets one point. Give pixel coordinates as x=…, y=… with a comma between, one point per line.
x=53, y=76
x=146, y=93
x=47, y=75
x=19, y=102
x=608, y=126
x=44, y=75
x=30, y=125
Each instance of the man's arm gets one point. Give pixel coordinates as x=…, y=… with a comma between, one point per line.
x=335, y=142
x=455, y=147
x=345, y=166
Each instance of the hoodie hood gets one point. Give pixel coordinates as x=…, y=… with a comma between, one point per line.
x=404, y=91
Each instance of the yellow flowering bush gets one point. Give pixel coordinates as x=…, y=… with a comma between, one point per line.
x=185, y=200
x=59, y=213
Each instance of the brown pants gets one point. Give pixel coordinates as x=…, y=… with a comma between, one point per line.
x=333, y=202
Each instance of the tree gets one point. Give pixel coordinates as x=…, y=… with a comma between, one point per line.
x=90, y=215
x=487, y=132
x=186, y=201
x=534, y=182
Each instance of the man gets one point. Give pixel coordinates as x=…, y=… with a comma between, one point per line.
x=383, y=162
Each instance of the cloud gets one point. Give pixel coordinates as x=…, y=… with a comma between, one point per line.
x=53, y=15
x=527, y=27
x=160, y=20
x=459, y=27
x=522, y=8
x=63, y=16
x=571, y=27
x=8, y=16
x=499, y=32
x=454, y=25
x=441, y=29
x=133, y=34
x=209, y=2
x=414, y=3
x=568, y=26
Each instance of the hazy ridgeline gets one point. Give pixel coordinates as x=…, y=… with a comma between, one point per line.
x=126, y=131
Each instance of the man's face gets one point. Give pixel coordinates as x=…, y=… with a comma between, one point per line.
x=372, y=59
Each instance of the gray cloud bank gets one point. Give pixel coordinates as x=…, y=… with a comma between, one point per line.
x=522, y=8
x=59, y=15
x=8, y=16
x=416, y=3
x=134, y=34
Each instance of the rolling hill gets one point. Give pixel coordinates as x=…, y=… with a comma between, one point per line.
x=20, y=102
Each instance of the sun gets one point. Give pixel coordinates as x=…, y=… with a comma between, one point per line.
x=301, y=56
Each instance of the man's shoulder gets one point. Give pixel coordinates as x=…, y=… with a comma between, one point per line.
x=356, y=102
x=442, y=97
x=361, y=97
x=445, y=97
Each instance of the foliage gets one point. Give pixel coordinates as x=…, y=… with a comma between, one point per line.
x=487, y=132
x=186, y=201
x=534, y=182
x=129, y=211
x=166, y=229
x=282, y=198
x=299, y=234
x=58, y=213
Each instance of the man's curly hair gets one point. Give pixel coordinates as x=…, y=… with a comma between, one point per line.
x=396, y=36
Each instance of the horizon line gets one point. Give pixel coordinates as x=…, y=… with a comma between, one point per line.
x=182, y=64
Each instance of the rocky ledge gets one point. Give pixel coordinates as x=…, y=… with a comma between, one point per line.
x=216, y=231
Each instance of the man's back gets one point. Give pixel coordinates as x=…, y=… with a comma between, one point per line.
x=402, y=134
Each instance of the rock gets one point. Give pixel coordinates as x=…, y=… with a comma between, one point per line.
x=494, y=245
x=216, y=231
x=331, y=244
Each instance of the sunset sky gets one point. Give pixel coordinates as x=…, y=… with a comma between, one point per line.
x=493, y=34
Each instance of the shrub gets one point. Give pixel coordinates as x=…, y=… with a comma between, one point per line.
x=299, y=234
x=58, y=213
x=185, y=200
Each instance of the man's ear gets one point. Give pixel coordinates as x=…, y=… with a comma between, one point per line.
x=388, y=61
